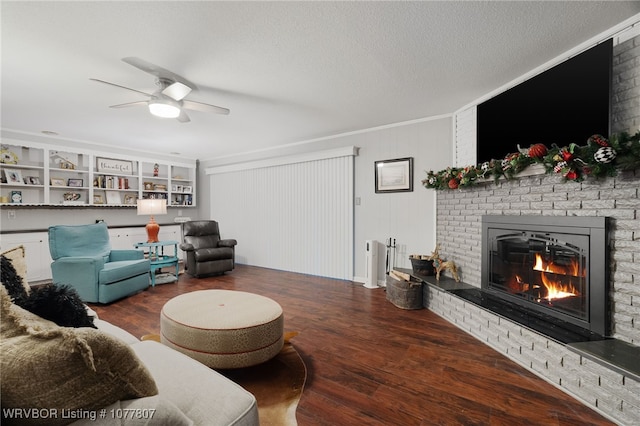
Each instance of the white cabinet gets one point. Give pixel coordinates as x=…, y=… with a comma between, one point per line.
x=125, y=238
x=36, y=245
x=46, y=175
x=39, y=260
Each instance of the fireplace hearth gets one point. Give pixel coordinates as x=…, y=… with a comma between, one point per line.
x=548, y=273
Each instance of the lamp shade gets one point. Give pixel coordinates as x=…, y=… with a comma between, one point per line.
x=152, y=206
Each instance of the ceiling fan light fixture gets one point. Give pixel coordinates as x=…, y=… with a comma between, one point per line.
x=163, y=108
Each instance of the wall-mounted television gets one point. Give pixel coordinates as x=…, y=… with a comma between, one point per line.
x=566, y=103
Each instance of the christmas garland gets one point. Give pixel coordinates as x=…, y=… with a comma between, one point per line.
x=600, y=157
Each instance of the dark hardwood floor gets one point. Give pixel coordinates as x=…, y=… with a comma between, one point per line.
x=370, y=363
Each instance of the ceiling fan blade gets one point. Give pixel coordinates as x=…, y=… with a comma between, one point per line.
x=128, y=104
x=122, y=87
x=156, y=70
x=183, y=117
x=177, y=91
x=199, y=106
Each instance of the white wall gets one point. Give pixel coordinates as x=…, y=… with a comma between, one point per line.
x=407, y=217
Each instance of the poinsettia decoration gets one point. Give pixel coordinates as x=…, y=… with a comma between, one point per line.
x=600, y=157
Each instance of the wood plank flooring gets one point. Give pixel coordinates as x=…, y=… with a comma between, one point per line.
x=370, y=363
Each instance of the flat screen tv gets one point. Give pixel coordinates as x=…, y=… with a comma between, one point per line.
x=565, y=104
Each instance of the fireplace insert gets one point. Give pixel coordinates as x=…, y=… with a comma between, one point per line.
x=554, y=266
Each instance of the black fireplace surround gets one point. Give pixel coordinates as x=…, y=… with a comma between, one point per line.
x=549, y=273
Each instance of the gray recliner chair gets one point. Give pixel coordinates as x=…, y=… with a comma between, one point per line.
x=206, y=252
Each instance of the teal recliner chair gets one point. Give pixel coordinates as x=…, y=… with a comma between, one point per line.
x=82, y=258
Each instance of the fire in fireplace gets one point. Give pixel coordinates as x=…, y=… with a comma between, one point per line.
x=554, y=266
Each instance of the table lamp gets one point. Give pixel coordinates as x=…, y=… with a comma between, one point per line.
x=152, y=207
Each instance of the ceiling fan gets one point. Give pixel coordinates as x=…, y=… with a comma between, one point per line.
x=168, y=101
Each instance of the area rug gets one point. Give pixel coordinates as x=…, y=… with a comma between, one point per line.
x=277, y=385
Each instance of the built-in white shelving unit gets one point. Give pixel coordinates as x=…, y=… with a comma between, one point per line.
x=42, y=175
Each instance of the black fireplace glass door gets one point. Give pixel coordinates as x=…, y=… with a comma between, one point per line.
x=546, y=270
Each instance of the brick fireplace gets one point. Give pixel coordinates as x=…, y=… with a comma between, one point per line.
x=555, y=269
x=459, y=232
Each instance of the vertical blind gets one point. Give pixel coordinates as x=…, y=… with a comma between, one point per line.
x=295, y=217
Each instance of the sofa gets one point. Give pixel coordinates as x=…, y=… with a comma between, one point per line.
x=53, y=375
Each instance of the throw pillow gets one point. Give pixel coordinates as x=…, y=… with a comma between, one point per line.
x=12, y=280
x=58, y=303
x=17, y=256
x=62, y=370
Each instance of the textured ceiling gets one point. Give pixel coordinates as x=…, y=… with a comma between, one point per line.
x=289, y=71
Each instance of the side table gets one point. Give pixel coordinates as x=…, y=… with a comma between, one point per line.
x=158, y=259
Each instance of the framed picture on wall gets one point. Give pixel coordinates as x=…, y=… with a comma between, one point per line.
x=394, y=175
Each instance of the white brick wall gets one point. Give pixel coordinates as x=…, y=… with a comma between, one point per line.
x=465, y=134
x=626, y=86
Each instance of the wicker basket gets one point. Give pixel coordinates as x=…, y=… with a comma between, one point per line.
x=404, y=295
x=422, y=266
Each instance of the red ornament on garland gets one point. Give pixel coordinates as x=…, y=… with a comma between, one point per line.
x=566, y=155
x=571, y=175
x=598, y=139
x=538, y=150
x=453, y=183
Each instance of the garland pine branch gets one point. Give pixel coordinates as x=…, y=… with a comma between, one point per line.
x=600, y=157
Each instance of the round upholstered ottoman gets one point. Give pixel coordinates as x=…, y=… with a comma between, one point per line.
x=223, y=328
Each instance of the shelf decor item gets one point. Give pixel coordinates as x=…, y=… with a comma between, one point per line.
x=75, y=183
x=71, y=196
x=7, y=156
x=394, y=175
x=58, y=182
x=16, y=197
x=108, y=165
x=152, y=207
x=130, y=199
x=14, y=177
x=113, y=197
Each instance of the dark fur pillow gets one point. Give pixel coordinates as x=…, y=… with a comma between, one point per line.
x=58, y=303
x=12, y=281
